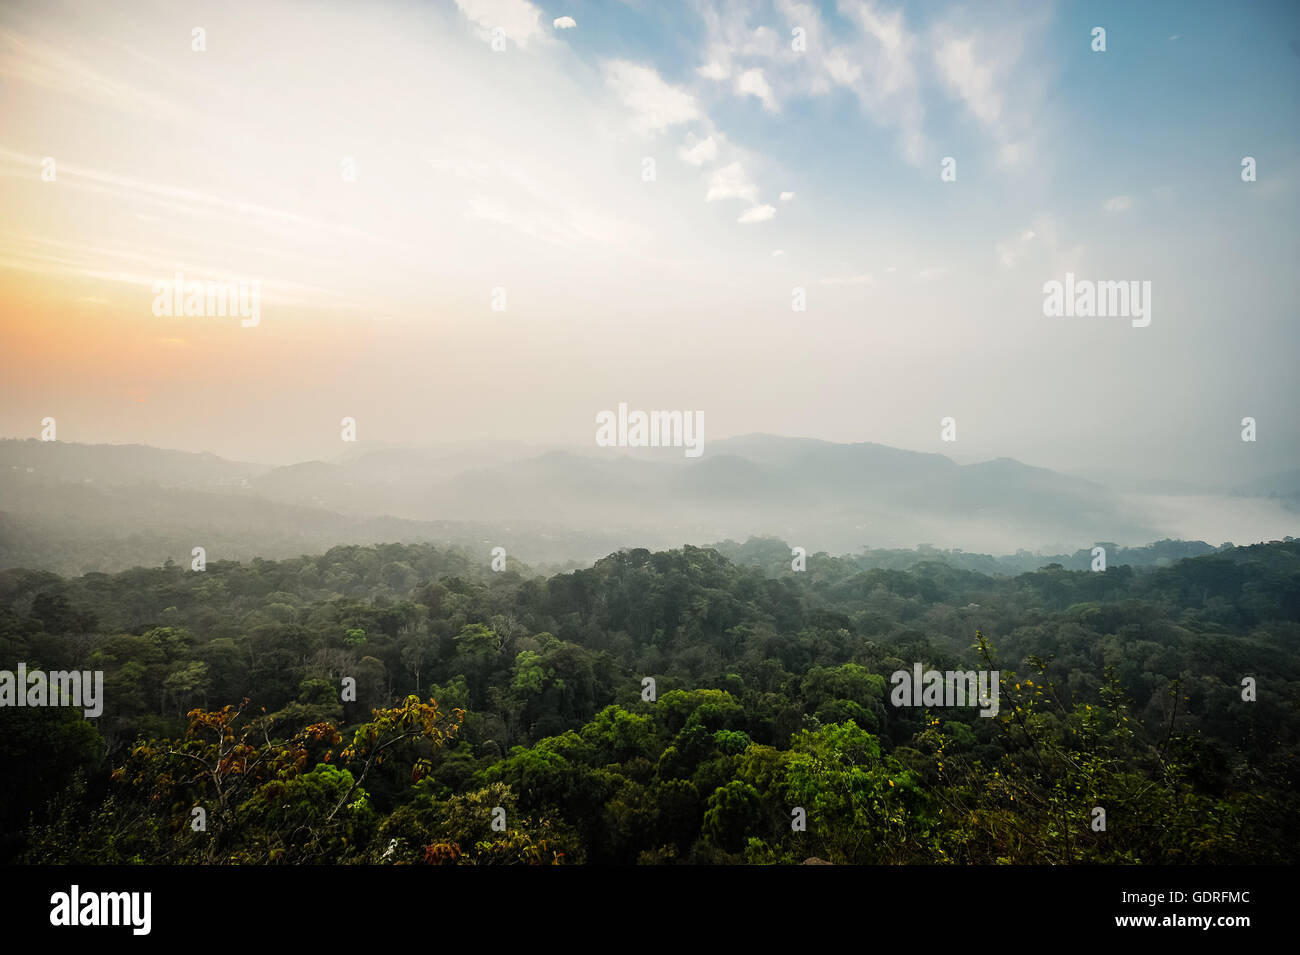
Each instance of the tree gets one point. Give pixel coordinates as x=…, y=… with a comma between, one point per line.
x=230, y=766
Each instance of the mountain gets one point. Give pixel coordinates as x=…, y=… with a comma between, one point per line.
x=835, y=497
x=61, y=501
x=121, y=464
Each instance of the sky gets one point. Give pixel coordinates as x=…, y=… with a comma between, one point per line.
x=643, y=186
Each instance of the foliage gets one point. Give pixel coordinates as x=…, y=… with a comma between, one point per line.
x=1119, y=691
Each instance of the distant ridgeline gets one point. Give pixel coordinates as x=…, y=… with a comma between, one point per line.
x=774, y=554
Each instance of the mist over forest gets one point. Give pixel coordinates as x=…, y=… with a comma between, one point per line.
x=658, y=703
x=74, y=508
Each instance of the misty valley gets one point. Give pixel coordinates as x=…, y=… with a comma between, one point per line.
x=408, y=703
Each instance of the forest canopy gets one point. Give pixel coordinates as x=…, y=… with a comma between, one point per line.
x=407, y=704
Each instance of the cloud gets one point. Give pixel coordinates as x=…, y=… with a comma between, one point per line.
x=981, y=66
x=1117, y=204
x=521, y=21
x=29, y=61
x=970, y=79
x=714, y=71
x=731, y=38
x=698, y=153
x=1041, y=247
x=731, y=182
x=871, y=55
x=523, y=197
x=564, y=23
x=655, y=105
x=787, y=196
x=173, y=198
x=1013, y=250
x=753, y=83
x=841, y=69
x=888, y=89
x=757, y=214
x=889, y=67
x=778, y=251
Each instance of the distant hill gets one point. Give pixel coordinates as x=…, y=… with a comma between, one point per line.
x=74, y=507
x=773, y=556
x=830, y=496
x=121, y=464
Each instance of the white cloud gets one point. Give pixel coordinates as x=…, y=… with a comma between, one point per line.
x=655, y=105
x=894, y=40
x=698, y=153
x=714, y=70
x=980, y=65
x=1117, y=204
x=874, y=58
x=731, y=182
x=564, y=23
x=757, y=214
x=778, y=251
x=753, y=83
x=841, y=69
x=970, y=79
x=733, y=38
x=787, y=196
x=888, y=66
x=521, y=21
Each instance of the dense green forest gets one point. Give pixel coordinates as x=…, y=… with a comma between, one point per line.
x=505, y=717
x=774, y=554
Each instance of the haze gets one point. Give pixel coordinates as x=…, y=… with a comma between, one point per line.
x=523, y=169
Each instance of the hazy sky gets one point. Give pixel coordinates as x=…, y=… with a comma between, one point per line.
x=524, y=168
